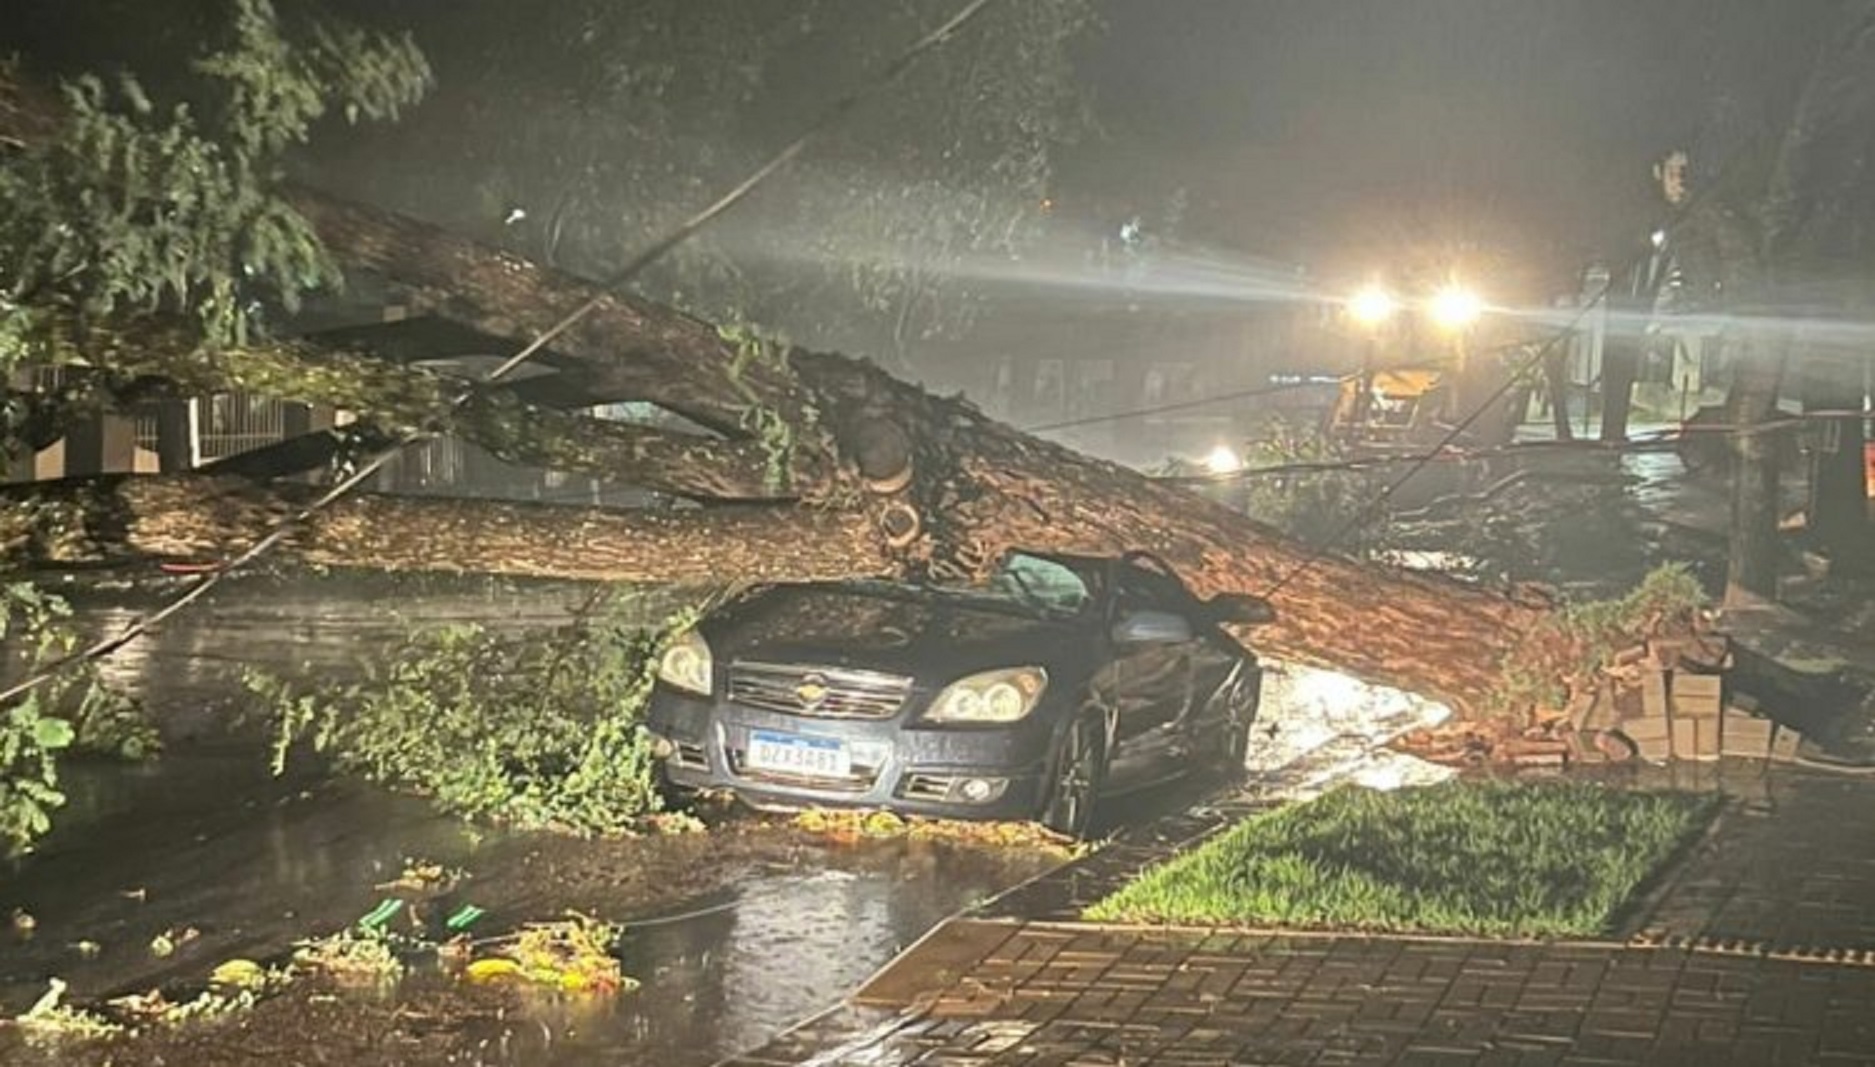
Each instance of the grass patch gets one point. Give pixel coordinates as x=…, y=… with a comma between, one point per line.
x=1462, y=857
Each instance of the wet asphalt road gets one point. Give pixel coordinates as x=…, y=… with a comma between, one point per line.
x=734, y=934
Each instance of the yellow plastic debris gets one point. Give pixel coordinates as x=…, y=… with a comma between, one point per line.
x=492, y=970
x=238, y=974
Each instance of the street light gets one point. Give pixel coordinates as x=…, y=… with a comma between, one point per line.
x=1455, y=307
x=1223, y=460
x=1372, y=306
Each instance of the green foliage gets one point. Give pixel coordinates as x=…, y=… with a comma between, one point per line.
x=776, y=435
x=1576, y=643
x=136, y=208
x=1464, y=857
x=619, y=117
x=75, y=710
x=1311, y=506
x=541, y=730
x=29, y=774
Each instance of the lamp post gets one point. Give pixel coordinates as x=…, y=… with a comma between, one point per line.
x=1456, y=309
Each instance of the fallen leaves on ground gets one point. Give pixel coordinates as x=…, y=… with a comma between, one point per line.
x=49, y=1018
x=238, y=974
x=674, y=822
x=857, y=824
x=350, y=958
x=424, y=876
x=574, y=954
x=165, y=944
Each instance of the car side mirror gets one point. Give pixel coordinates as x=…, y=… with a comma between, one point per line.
x=1241, y=608
x=1151, y=627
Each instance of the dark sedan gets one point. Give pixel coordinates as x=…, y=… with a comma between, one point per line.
x=1062, y=679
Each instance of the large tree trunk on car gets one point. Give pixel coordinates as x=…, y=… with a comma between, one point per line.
x=860, y=473
x=196, y=518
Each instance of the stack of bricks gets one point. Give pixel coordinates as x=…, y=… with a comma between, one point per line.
x=1683, y=716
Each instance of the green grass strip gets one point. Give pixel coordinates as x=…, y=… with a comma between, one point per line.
x=1464, y=857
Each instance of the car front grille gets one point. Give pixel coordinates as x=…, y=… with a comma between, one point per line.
x=819, y=692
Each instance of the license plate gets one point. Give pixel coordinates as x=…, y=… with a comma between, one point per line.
x=821, y=757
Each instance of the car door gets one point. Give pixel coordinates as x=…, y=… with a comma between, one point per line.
x=1155, y=643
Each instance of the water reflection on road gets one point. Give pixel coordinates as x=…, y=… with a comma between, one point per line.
x=744, y=930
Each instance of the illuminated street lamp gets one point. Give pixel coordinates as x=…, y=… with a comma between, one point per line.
x=1223, y=460
x=1372, y=306
x=1455, y=307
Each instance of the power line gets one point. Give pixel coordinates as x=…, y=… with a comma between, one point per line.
x=1183, y=405
x=834, y=113
x=1224, y=398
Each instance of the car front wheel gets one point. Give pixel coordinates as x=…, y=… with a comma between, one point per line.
x=1080, y=768
x=1232, y=749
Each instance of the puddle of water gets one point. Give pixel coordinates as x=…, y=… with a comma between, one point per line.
x=747, y=930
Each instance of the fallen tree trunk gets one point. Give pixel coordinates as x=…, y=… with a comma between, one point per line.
x=904, y=482
x=126, y=519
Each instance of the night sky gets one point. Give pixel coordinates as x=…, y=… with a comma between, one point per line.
x=1348, y=133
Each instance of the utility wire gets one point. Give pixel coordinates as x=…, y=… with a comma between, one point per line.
x=1221, y=398
x=1183, y=405
x=834, y=113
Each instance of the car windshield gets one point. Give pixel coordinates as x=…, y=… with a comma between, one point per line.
x=1029, y=584
x=1043, y=585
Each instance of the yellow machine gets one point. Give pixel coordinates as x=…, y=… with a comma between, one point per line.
x=1387, y=405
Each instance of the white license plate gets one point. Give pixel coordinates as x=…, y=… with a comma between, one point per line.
x=820, y=757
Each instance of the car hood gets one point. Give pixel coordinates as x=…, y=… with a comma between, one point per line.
x=931, y=637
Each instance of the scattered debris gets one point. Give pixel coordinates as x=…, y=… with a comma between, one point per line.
x=355, y=958
x=153, y=1008
x=23, y=922
x=674, y=822
x=165, y=944
x=51, y=1018
x=857, y=824
x=239, y=974
x=424, y=876
x=574, y=954
x=494, y=968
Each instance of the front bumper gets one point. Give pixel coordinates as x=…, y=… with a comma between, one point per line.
x=895, y=764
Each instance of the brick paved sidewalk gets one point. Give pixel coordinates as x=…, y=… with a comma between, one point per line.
x=1791, y=866
x=1049, y=994
x=1787, y=883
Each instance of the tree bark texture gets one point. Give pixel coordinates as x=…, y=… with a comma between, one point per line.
x=1753, y=554
x=201, y=518
x=868, y=475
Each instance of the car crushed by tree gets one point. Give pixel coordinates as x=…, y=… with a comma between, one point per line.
x=1059, y=680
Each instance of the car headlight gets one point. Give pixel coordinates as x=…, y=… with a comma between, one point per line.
x=686, y=664
x=993, y=696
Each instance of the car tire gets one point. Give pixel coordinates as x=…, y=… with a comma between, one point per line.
x=1079, y=771
x=1233, y=738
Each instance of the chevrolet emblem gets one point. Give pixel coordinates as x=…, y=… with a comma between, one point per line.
x=811, y=691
